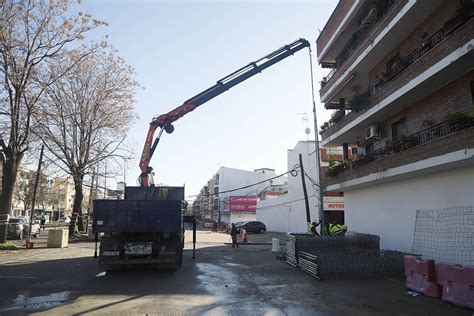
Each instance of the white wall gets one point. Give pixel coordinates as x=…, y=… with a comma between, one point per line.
x=288, y=212
x=230, y=178
x=241, y=217
x=389, y=209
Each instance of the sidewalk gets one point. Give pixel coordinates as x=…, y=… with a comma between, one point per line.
x=40, y=246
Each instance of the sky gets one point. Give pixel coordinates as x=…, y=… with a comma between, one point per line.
x=179, y=49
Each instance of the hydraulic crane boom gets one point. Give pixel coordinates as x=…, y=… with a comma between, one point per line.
x=164, y=121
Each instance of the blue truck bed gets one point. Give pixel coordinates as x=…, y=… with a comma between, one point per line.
x=138, y=216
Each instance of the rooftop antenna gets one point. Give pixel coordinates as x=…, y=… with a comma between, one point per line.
x=305, y=119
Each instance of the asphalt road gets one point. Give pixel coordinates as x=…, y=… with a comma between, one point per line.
x=248, y=280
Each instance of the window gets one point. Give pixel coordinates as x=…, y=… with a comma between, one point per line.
x=398, y=129
x=393, y=63
x=354, y=151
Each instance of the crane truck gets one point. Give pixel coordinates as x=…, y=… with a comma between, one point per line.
x=146, y=227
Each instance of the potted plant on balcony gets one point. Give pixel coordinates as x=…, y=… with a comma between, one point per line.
x=457, y=121
x=359, y=101
x=335, y=168
x=336, y=117
x=323, y=82
x=407, y=142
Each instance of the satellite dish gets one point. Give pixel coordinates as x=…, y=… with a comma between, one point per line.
x=307, y=130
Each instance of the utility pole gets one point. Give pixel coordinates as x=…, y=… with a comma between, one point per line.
x=303, y=182
x=90, y=200
x=105, y=180
x=124, y=171
x=32, y=213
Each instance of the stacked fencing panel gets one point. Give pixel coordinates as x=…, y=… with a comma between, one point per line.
x=351, y=256
x=291, y=250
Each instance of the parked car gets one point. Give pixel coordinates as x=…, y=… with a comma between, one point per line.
x=65, y=220
x=228, y=228
x=252, y=227
x=18, y=228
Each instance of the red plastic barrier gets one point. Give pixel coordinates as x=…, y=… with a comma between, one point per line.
x=458, y=284
x=421, y=276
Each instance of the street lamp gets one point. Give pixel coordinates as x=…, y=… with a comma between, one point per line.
x=318, y=154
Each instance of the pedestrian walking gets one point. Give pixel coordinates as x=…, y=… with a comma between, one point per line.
x=233, y=234
x=42, y=222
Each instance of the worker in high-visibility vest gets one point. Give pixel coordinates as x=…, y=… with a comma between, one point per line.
x=337, y=229
x=312, y=228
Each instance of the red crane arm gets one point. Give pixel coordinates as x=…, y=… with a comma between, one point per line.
x=163, y=122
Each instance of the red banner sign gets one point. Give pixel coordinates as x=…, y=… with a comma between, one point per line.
x=242, y=208
x=243, y=203
x=250, y=199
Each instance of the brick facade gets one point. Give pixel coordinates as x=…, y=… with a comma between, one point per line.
x=454, y=97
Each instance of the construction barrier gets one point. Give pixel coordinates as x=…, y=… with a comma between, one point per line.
x=421, y=276
x=244, y=236
x=458, y=284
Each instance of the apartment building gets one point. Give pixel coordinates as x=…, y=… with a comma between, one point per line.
x=213, y=201
x=24, y=188
x=401, y=89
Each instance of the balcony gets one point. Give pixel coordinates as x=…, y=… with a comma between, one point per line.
x=373, y=23
x=426, y=68
x=380, y=165
x=334, y=25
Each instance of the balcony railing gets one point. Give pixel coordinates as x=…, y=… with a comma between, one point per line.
x=391, y=148
x=407, y=61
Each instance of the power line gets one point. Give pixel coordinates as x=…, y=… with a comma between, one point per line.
x=293, y=172
x=273, y=205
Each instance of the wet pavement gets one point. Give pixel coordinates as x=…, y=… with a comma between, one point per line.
x=248, y=280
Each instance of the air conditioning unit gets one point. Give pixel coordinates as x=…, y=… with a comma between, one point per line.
x=372, y=132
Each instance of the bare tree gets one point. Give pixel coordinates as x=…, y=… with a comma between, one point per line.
x=32, y=33
x=86, y=116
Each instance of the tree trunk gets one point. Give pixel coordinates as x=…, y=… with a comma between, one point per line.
x=10, y=170
x=77, y=221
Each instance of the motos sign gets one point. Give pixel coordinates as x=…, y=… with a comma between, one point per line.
x=332, y=203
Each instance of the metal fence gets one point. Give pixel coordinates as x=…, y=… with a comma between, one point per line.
x=445, y=235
